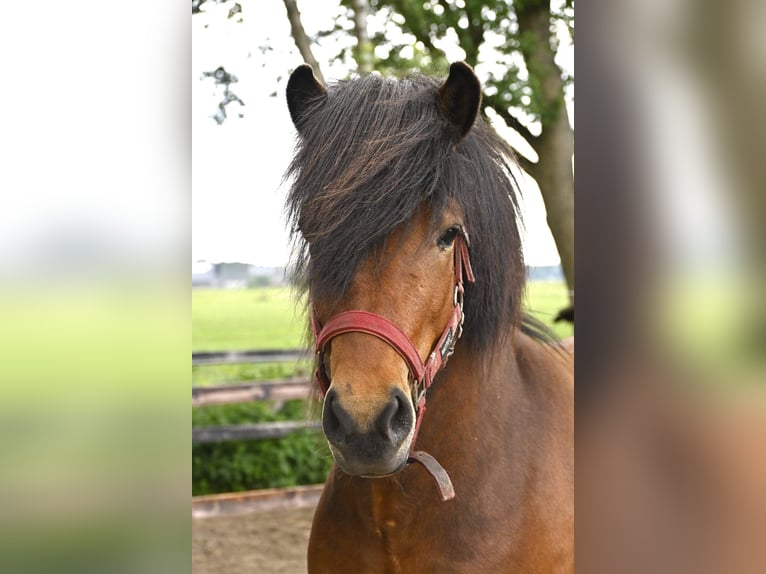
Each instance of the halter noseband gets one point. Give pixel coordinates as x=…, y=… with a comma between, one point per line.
x=421, y=373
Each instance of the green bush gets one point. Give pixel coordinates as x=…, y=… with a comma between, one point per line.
x=301, y=458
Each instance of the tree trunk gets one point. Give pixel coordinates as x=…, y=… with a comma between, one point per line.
x=363, y=51
x=554, y=176
x=554, y=146
x=302, y=41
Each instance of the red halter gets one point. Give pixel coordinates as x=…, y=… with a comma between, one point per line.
x=422, y=373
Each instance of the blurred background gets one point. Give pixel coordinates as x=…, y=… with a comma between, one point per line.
x=671, y=362
x=97, y=230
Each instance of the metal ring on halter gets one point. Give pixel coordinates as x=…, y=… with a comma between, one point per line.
x=418, y=392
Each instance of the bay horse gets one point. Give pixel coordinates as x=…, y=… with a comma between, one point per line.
x=404, y=217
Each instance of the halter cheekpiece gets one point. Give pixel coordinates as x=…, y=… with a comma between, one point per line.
x=421, y=373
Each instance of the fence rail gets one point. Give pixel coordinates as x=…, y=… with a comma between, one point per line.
x=257, y=431
x=252, y=356
x=231, y=393
x=232, y=503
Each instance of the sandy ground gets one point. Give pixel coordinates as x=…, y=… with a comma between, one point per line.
x=271, y=542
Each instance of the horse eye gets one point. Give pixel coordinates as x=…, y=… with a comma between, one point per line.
x=448, y=237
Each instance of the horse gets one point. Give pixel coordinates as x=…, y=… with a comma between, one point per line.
x=404, y=218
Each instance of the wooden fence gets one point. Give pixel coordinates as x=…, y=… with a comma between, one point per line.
x=246, y=391
x=231, y=393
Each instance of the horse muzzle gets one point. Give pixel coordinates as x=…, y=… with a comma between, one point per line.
x=375, y=447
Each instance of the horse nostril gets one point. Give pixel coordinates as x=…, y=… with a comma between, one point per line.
x=396, y=419
x=392, y=424
x=336, y=422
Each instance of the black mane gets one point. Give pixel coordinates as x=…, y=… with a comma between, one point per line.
x=370, y=153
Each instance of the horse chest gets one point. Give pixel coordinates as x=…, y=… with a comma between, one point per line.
x=386, y=528
x=388, y=523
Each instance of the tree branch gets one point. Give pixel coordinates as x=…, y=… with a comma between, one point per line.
x=512, y=121
x=529, y=166
x=475, y=35
x=302, y=41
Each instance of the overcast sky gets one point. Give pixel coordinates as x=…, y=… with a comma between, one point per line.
x=237, y=166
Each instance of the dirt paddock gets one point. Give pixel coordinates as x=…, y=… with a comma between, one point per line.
x=269, y=542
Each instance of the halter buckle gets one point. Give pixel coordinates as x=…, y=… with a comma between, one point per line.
x=457, y=296
x=418, y=391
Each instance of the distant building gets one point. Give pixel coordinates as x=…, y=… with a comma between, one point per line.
x=203, y=274
x=545, y=273
x=267, y=276
x=233, y=275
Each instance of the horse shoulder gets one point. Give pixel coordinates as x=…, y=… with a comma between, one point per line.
x=549, y=366
x=548, y=373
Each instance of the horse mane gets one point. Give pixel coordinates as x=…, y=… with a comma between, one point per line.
x=370, y=153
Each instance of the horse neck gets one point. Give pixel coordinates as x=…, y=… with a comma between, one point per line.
x=475, y=394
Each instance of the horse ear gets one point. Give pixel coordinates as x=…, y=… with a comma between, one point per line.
x=302, y=87
x=460, y=96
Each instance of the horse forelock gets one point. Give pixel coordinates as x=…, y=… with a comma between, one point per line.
x=368, y=156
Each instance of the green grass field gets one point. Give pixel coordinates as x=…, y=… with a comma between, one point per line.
x=269, y=318
x=544, y=299
x=260, y=318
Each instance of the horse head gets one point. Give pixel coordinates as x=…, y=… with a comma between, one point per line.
x=394, y=324
x=399, y=192
x=382, y=343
